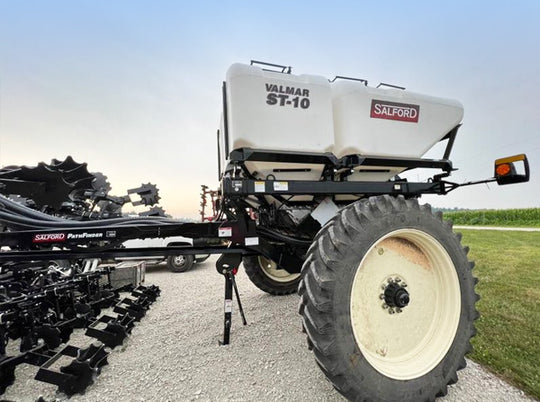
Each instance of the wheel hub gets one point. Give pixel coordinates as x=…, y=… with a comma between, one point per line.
x=394, y=295
x=179, y=259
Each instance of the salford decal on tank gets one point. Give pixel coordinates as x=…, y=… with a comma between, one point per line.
x=49, y=238
x=394, y=111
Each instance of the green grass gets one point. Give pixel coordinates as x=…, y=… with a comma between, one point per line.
x=529, y=217
x=508, y=269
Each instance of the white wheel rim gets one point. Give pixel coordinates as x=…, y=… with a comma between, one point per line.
x=409, y=344
x=179, y=260
x=271, y=270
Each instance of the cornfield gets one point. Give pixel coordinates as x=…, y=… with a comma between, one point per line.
x=528, y=217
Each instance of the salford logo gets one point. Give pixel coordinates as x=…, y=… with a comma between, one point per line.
x=394, y=111
x=49, y=238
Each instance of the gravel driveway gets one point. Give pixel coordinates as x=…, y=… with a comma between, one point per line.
x=173, y=353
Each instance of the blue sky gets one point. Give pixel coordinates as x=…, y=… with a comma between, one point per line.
x=133, y=87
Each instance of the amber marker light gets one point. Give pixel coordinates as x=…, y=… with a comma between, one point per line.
x=503, y=170
x=506, y=172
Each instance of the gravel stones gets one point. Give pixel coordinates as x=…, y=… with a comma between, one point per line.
x=173, y=353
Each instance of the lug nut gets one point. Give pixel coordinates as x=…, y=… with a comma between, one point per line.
x=384, y=305
x=381, y=296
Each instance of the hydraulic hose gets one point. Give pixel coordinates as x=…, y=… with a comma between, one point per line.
x=10, y=219
x=281, y=237
x=21, y=214
x=13, y=206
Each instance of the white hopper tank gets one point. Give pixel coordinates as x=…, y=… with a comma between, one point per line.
x=388, y=122
x=278, y=111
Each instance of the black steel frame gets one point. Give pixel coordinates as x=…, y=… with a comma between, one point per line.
x=235, y=187
x=236, y=234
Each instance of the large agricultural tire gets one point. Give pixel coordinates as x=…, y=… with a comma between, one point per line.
x=265, y=275
x=378, y=252
x=180, y=263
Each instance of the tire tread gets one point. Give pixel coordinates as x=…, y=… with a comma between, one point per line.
x=319, y=274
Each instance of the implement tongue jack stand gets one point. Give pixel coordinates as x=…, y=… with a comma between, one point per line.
x=227, y=265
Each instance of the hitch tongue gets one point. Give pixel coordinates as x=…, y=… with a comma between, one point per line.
x=227, y=265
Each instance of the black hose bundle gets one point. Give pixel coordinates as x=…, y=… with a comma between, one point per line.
x=18, y=217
